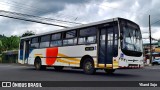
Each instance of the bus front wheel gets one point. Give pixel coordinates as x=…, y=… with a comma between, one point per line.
x=88, y=66
x=109, y=71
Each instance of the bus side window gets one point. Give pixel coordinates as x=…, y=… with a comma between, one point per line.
x=56, y=40
x=70, y=38
x=44, y=42
x=34, y=43
x=87, y=35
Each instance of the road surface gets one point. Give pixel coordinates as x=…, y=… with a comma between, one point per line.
x=17, y=72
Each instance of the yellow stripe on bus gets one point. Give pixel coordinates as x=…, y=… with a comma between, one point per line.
x=101, y=65
x=109, y=65
x=115, y=63
x=62, y=55
x=64, y=61
x=37, y=54
x=40, y=55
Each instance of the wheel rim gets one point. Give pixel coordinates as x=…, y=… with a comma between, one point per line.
x=88, y=66
x=37, y=65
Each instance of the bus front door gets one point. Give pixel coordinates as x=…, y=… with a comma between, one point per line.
x=106, y=47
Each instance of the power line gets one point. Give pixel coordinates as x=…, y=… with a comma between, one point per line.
x=8, y=12
x=34, y=17
x=28, y=7
x=26, y=17
x=35, y=8
x=35, y=21
x=155, y=22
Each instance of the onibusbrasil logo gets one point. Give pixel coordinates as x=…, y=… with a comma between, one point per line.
x=21, y=84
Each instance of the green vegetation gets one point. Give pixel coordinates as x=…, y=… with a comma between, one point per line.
x=11, y=43
x=0, y=58
x=28, y=33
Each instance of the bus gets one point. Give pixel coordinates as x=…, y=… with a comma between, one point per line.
x=109, y=44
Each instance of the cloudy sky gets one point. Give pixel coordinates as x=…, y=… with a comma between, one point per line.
x=81, y=11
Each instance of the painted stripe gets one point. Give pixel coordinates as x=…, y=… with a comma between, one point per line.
x=74, y=59
x=37, y=54
x=101, y=65
x=64, y=61
x=67, y=57
x=109, y=65
x=115, y=63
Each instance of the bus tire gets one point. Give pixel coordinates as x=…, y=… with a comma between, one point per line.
x=58, y=68
x=38, y=64
x=88, y=66
x=109, y=71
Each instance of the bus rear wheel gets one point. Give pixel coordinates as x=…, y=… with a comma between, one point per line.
x=58, y=68
x=38, y=65
x=109, y=71
x=88, y=66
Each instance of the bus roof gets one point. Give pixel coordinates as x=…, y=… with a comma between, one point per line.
x=72, y=28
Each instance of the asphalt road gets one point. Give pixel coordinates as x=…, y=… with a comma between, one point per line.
x=16, y=72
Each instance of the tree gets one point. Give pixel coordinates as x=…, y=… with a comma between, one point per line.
x=28, y=33
x=2, y=36
x=0, y=46
x=9, y=43
x=13, y=42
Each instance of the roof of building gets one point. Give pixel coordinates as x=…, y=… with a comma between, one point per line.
x=155, y=43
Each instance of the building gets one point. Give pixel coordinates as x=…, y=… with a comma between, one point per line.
x=155, y=51
x=10, y=56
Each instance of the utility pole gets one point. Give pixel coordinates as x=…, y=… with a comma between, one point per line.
x=150, y=39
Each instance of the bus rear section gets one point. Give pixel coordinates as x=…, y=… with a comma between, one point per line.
x=109, y=45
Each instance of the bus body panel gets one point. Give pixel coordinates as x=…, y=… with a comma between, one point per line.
x=130, y=61
x=65, y=56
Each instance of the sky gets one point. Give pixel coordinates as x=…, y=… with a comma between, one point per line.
x=81, y=11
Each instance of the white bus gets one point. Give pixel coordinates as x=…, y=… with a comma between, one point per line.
x=109, y=45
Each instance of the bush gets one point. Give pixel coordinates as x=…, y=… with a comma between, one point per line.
x=0, y=58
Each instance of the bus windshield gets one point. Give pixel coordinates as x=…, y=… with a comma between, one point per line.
x=132, y=38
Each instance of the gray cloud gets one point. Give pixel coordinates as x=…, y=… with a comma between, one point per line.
x=36, y=7
x=42, y=7
x=81, y=11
